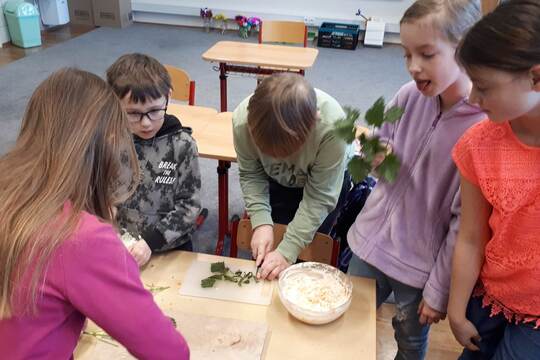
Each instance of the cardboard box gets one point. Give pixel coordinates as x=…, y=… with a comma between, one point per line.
x=114, y=13
x=80, y=12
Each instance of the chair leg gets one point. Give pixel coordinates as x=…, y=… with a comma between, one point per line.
x=335, y=253
x=201, y=218
x=235, y=220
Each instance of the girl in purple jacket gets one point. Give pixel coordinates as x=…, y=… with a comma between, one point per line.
x=405, y=234
x=61, y=258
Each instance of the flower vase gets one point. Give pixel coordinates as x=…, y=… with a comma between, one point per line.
x=243, y=31
x=206, y=24
x=223, y=26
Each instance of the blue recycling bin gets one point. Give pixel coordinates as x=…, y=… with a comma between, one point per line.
x=23, y=23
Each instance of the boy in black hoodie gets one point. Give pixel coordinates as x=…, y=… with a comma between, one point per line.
x=165, y=206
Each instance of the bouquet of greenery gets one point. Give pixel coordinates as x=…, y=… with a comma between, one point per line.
x=371, y=147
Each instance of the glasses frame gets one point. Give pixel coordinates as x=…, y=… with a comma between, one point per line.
x=142, y=115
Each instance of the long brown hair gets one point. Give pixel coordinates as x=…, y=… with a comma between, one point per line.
x=506, y=39
x=68, y=152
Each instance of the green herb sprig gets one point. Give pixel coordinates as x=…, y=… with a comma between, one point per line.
x=361, y=165
x=221, y=272
x=101, y=336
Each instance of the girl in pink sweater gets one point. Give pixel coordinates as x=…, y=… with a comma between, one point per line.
x=61, y=258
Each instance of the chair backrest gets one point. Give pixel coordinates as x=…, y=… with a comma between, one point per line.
x=322, y=249
x=489, y=5
x=183, y=86
x=290, y=32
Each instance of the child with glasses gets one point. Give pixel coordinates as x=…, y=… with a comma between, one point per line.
x=164, y=209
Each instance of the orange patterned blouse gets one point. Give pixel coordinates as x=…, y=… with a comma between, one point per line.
x=507, y=172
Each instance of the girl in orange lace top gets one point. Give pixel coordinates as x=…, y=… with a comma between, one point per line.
x=497, y=254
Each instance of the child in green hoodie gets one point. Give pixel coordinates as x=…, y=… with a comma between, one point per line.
x=292, y=166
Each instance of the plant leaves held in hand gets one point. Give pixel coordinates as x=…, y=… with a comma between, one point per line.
x=393, y=114
x=359, y=168
x=375, y=114
x=345, y=128
x=389, y=168
x=222, y=272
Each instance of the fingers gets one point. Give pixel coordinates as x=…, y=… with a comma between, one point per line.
x=274, y=273
x=265, y=270
x=471, y=346
x=259, y=259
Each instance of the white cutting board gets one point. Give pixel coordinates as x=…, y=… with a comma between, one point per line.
x=253, y=293
x=208, y=337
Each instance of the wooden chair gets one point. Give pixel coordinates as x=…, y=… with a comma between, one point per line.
x=288, y=32
x=322, y=249
x=183, y=86
x=489, y=5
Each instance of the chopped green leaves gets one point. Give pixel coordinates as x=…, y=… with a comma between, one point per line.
x=221, y=272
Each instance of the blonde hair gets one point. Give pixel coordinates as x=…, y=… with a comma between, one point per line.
x=68, y=152
x=452, y=18
x=281, y=114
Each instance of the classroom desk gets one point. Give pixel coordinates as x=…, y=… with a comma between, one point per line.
x=213, y=133
x=352, y=336
x=249, y=58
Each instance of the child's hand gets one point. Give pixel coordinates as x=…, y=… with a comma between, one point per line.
x=141, y=252
x=428, y=315
x=273, y=264
x=262, y=242
x=379, y=157
x=466, y=334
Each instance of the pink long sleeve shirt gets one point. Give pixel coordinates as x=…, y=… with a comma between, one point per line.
x=91, y=275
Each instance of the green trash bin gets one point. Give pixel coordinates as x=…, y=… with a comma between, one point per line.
x=23, y=23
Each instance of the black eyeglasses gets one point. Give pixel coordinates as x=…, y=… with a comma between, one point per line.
x=152, y=115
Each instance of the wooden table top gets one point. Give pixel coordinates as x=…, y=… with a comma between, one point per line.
x=211, y=130
x=243, y=53
x=352, y=336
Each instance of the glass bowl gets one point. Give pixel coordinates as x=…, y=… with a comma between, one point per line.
x=315, y=293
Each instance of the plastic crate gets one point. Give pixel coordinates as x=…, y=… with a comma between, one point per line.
x=338, y=36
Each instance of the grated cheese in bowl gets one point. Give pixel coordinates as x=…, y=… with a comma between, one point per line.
x=315, y=293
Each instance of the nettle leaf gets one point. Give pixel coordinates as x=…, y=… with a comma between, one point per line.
x=371, y=146
x=208, y=282
x=389, y=168
x=345, y=128
x=375, y=114
x=393, y=114
x=218, y=267
x=358, y=168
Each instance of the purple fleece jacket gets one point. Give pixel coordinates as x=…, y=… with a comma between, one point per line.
x=91, y=274
x=407, y=229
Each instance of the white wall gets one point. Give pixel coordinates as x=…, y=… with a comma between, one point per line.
x=186, y=12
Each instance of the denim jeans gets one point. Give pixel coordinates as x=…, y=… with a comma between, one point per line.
x=501, y=340
x=410, y=335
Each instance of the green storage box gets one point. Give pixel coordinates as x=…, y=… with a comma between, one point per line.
x=23, y=23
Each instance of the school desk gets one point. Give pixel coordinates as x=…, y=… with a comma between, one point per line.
x=249, y=58
x=213, y=133
x=351, y=336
